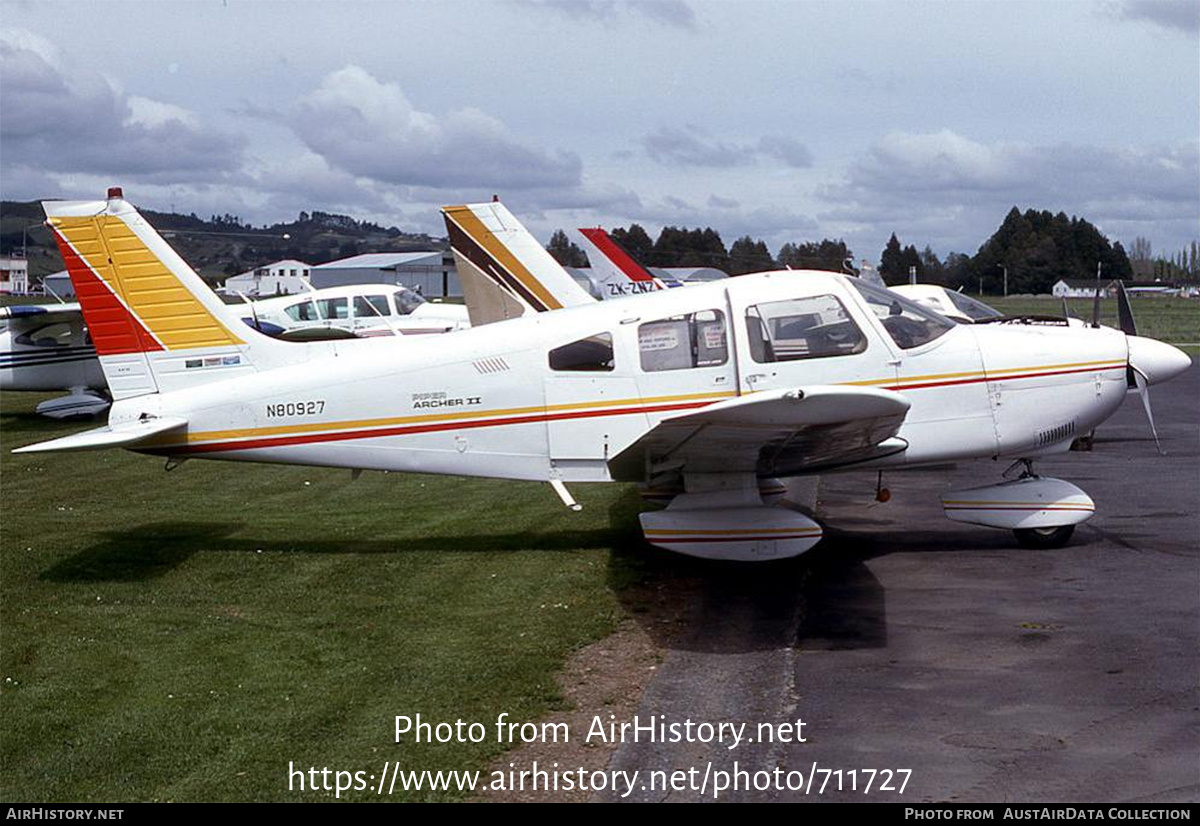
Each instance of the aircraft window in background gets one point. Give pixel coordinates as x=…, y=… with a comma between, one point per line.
x=972, y=309
x=335, y=308
x=370, y=306
x=407, y=301
x=306, y=311
x=802, y=328
x=907, y=322
x=683, y=341
x=48, y=335
x=591, y=354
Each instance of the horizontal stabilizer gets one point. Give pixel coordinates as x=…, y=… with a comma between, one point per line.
x=123, y=435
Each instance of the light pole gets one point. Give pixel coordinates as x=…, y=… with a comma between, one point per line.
x=1001, y=266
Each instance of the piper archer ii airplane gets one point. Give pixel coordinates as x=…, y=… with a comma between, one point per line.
x=708, y=389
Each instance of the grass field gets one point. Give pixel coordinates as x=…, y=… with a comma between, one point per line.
x=183, y=636
x=1173, y=320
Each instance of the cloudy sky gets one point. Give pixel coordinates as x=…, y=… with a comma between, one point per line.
x=788, y=121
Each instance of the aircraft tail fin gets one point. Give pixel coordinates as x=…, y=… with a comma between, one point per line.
x=156, y=325
x=492, y=247
x=615, y=270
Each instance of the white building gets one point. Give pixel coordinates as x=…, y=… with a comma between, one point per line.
x=1080, y=288
x=58, y=285
x=14, y=275
x=432, y=273
x=279, y=278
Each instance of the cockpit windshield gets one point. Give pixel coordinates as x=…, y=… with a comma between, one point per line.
x=972, y=309
x=908, y=323
x=407, y=300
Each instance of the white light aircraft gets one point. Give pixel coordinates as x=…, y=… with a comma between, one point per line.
x=45, y=347
x=359, y=310
x=707, y=389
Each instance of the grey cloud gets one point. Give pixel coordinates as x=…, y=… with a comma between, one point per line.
x=673, y=146
x=954, y=191
x=370, y=129
x=68, y=119
x=717, y=202
x=691, y=146
x=942, y=166
x=1178, y=15
x=788, y=150
x=674, y=13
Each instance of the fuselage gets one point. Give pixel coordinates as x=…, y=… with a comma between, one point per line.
x=556, y=395
x=51, y=356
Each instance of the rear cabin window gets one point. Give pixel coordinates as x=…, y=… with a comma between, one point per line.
x=802, y=328
x=593, y=354
x=684, y=341
x=302, y=312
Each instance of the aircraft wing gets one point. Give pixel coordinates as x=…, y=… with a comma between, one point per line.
x=18, y=313
x=127, y=434
x=773, y=433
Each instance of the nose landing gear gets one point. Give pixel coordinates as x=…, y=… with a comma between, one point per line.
x=1041, y=512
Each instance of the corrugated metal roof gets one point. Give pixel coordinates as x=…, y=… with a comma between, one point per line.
x=378, y=260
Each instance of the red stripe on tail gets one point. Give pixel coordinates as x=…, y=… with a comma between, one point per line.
x=632, y=269
x=114, y=330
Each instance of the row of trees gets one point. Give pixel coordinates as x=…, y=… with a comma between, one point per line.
x=1183, y=265
x=682, y=247
x=1032, y=249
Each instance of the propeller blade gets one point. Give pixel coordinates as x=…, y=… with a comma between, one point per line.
x=1066, y=309
x=1096, y=300
x=1125, y=312
x=1144, y=391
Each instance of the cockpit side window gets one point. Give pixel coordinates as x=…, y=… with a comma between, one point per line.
x=907, y=322
x=371, y=306
x=57, y=334
x=591, y=354
x=802, y=328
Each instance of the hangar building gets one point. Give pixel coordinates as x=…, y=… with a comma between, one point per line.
x=431, y=273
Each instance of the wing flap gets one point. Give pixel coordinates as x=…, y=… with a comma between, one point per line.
x=772, y=433
x=123, y=435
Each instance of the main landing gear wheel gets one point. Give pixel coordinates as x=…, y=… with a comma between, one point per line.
x=1054, y=537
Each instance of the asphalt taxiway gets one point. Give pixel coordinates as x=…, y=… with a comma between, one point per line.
x=992, y=672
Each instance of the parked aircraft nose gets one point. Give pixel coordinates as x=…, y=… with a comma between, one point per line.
x=1155, y=360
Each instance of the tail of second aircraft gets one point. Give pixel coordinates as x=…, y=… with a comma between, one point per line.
x=504, y=271
x=155, y=324
x=613, y=268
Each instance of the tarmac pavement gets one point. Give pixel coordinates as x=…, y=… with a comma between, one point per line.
x=994, y=673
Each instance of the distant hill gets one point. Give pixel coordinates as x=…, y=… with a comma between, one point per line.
x=223, y=245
